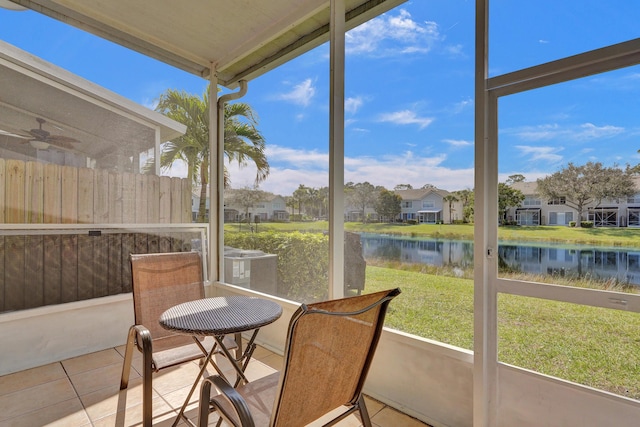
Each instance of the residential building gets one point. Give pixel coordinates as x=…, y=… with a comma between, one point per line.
x=427, y=206
x=608, y=213
x=272, y=208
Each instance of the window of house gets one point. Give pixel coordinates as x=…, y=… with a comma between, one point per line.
x=407, y=204
x=531, y=201
x=557, y=201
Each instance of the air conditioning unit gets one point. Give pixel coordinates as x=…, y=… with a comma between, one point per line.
x=251, y=269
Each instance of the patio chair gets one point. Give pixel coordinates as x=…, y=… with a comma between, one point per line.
x=329, y=349
x=160, y=281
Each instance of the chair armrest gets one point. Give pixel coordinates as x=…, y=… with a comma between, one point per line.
x=143, y=338
x=233, y=397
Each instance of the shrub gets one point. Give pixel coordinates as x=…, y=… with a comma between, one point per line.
x=583, y=224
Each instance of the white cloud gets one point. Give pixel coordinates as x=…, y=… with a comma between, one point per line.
x=591, y=131
x=292, y=167
x=392, y=34
x=405, y=117
x=301, y=93
x=461, y=106
x=352, y=104
x=583, y=132
x=458, y=142
x=546, y=154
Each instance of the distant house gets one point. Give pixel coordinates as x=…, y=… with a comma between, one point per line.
x=609, y=213
x=428, y=206
x=354, y=214
x=271, y=209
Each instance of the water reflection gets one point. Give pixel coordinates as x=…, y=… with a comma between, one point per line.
x=622, y=264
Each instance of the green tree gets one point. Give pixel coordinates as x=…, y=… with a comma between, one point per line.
x=403, y=187
x=248, y=197
x=586, y=184
x=243, y=143
x=508, y=197
x=301, y=196
x=450, y=199
x=388, y=205
x=362, y=196
x=466, y=197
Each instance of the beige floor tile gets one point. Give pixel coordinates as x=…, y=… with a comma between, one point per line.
x=193, y=416
x=163, y=416
x=274, y=360
x=373, y=406
x=91, y=361
x=63, y=414
x=136, y=362
x=172, y=379
x=256, y=369
x=110, y=400
x=31, y=377
x=176, y=398
x=34, y=398
x=96, y=379
x=390, y=417
x=260, y=352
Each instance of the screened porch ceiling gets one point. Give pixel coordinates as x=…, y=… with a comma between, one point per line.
x=242, y=38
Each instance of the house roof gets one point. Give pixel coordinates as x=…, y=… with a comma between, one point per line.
x=528, y=188
x=420, y=193
x=242, y=38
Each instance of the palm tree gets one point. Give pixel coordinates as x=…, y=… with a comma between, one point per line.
x=450, y=199
x=242, y=140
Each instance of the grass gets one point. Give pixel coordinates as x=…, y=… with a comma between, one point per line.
x=591, y=346
x=611, y=237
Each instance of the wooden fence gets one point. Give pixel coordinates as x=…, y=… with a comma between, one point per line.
x=38, y=193
x=42, y=268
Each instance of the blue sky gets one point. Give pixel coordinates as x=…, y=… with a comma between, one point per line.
x=409, y=92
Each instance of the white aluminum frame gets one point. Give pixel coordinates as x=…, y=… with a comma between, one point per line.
x=487, y=283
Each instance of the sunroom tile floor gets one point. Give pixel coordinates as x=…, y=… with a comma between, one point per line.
x=84, y=391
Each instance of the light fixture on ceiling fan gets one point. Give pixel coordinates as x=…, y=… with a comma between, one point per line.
x=41, y=139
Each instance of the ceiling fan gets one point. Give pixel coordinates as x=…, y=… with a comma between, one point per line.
x=41, y=139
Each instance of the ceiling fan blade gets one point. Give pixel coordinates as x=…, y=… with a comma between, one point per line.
x=13, y=134
x=67, y=145
x=61, y=138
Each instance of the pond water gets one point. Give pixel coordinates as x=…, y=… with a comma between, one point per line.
x=535, y=258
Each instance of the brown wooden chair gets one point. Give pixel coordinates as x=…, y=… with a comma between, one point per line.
x=161, y=281
x=327, y=356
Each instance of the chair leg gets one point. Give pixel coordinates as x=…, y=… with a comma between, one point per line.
x=364, y=414
x=128, y=356
x=147, y=374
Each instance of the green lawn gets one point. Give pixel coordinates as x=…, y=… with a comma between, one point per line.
x=592, y=346
x=627, y=237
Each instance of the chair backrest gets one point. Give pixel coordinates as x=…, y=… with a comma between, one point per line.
x=161, y=281
x=328, y=353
